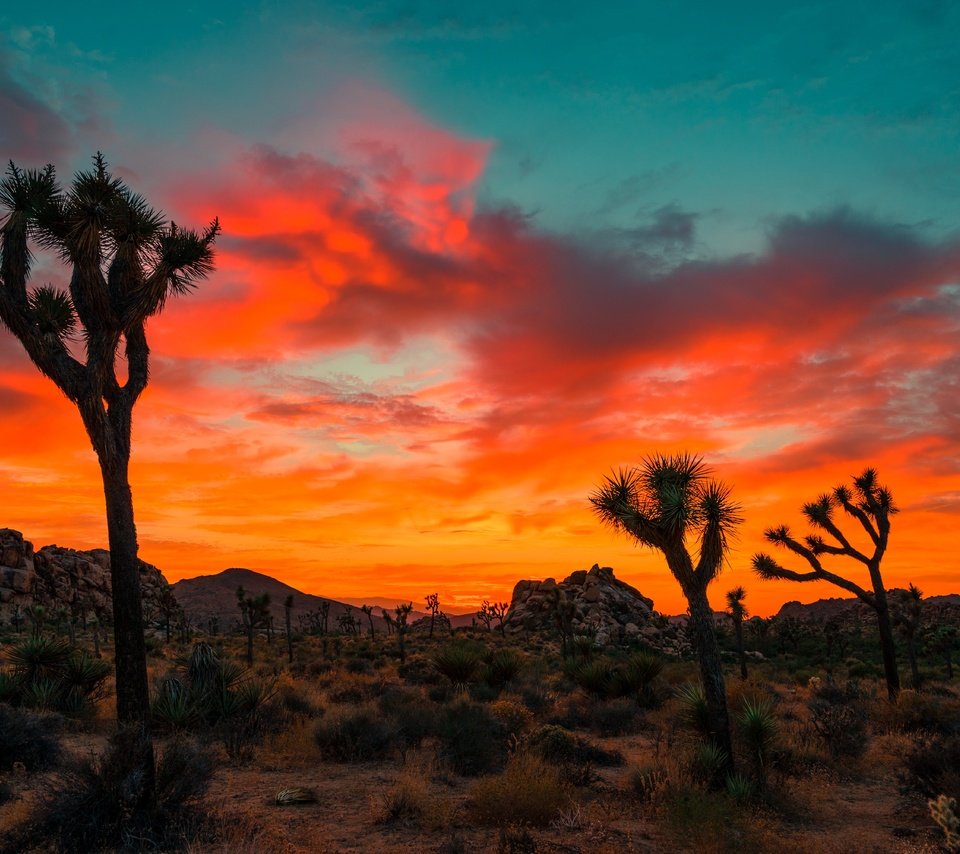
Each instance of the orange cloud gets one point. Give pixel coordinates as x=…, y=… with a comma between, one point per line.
x=386, y=390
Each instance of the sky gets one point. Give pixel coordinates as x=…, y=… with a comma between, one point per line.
x=476, y=256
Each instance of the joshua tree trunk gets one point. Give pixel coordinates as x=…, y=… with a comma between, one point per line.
x=884, y=624
x=738, y=627
x=711, y=669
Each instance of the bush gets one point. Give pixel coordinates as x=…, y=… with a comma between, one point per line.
x=99, y=805
x=471, y=739
x=932, y=767
x=838, y=717
x=353, y=735
x=411, y=718
x=572, y=755
x=29, y=739
x=614, y=717
x=514, y=717
x=529, y=792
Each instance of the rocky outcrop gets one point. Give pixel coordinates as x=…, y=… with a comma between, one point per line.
x=600, y=605
x=59, y=578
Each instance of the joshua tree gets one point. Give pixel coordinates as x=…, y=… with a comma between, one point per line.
x=563, y=608
x=388, y=619
x=287, y=609
x=738, y=613
x=254, y=612
x=400, y=624
x=16, y=619
x=665, y=503
x=37, y=615
x=872, y=506
x=907, y=613
x=485, y=615
x=324, y=609
x=368, y=610
x=124, y=260
x=499, y=611
x=433, y=606
x=942, y=640
x=168, y=606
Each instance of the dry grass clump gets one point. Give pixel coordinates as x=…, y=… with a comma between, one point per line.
x=353, y=734
x=409, y=800
x=528, y=792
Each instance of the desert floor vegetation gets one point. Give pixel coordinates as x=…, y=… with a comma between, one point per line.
x=478, y=742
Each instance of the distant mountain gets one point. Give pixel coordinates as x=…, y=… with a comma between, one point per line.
x=209, y=596
x=827, y=609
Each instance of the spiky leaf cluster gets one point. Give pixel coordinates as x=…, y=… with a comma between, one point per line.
x=668, y=502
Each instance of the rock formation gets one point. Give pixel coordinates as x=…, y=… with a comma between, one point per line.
x=601, y=605
x=59, y=578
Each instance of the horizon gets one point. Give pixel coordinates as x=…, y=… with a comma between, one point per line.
x=473, y=261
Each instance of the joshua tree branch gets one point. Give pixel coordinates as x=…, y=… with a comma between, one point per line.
x=861, y=517
x=766, y=567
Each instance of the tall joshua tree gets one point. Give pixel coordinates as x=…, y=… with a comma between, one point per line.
x=871, y=505
x=665, y=503
x=124, y=260
x=738, y=613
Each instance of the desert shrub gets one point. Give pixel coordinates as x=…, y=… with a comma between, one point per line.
x=358, y=665
x=838, y=717
x=573, y=755
x=614, y=717
x=914, y=712
x=353, y=735
x=28, y=738
x=471, y=739
x=406, y=800
x=932, y=767
x=501, y=668
x=646, y=782
x=294, y=702
x=516, y=839
x=740, y=787
x=420, y=671
x=528, y=792
x=99, y=805
x=514, y=717
x=411, y=717
x=459, y=662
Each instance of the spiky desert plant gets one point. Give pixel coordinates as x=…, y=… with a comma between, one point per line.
x=871, y=505
x=501, y=668
x=693, y=707
x=635, y=677
x=124, y=261
x=943, y=811
x=907, y=616
x=667, y=503
x=758, y=728
x=458, y=662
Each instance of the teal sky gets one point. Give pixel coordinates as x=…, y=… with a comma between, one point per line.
x=721, y=115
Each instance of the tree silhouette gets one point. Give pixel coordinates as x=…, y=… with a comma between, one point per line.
x=872, y=506
x=738, y=613
x=665, y=503
x=287, y=610
x=907, y=614
x=400, y=624
x=254, y=613
x=124, y=260
x=433, y=606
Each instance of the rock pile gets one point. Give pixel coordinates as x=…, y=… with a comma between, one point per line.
x=55, y=577
x=601, y=606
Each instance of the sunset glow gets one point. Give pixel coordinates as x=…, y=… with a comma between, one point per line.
x=412, y=366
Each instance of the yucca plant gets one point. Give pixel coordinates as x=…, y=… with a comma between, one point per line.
x=758, y=727
x=693, y=707
x=709, y=762
x=36, y=657
x=635, y=677
x=42, y=694
x=459, y=663
x=740, y=787
x=501, y=668
x=596, y=677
